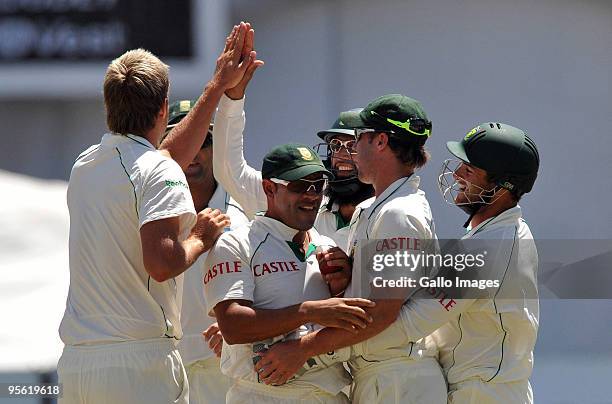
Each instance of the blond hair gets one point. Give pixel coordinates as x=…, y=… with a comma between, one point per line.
x=135, y=88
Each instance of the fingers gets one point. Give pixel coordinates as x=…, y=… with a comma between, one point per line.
x=239, y=43
x=230, y=38
x=214, y=340
x=210, y=331
x=274, y=378
x=249, y=41
x=356, y=301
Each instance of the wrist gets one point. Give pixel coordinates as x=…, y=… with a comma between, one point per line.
x=234, y=95
x=307, y=344
x=213, y=89
x=307, y=312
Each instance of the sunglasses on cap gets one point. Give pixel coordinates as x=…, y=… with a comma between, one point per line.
x=303, y=186
x=415, y=126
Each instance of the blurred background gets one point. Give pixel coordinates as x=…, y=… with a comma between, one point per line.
x=543, y=66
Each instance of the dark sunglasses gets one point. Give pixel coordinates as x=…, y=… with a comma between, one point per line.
x=303, y=186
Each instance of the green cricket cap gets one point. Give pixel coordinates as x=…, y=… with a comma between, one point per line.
x=339, y=127
x=402, y=115
x=291, y=162
x=178, y=110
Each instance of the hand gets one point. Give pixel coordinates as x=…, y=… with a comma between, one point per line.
x=338, y=280
x=280, y=362
x=237, y=92
x=213, y=336
x=209, y=226
x=339, y=313
x=235, y=58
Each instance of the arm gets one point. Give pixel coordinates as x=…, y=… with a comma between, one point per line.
x=185, y=140
x=165, y=256
x=229, y=288
x=240, y=323
x=240, y=180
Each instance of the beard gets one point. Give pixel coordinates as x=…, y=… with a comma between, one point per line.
x=349, y=191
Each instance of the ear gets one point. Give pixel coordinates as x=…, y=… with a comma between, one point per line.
x=381, y=140
x=163, y=112
x=269, y=188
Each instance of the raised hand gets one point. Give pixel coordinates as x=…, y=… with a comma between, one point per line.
x=238, y=91
x=236, y=57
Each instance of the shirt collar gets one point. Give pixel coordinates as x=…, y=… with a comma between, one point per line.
x=410, y=183
x=111, y=139
x=275, y=227
x=507, y=216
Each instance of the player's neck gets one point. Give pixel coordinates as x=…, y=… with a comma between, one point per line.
x=384, y=178
x=486, y=212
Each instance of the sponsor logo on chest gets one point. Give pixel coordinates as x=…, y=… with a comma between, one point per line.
x=222, y=268
x=271, y=267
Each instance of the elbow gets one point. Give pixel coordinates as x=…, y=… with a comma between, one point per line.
x=160, y=273
x=232, y=334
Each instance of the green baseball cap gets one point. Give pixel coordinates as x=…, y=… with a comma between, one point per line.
x=178, y=110
x=291, y=162
x=396, y=113
x=339, y=127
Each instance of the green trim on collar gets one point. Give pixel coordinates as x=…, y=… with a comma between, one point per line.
x=295, y=247
x=340, y=222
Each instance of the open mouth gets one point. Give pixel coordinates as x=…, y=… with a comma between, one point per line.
x=308, y=208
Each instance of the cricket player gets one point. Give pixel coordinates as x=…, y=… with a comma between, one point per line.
x=391, y=132
x=486, y=349
x=133, y=232
x=485, y=344
x=264, y=284
x=206, y=382
x=243, y=182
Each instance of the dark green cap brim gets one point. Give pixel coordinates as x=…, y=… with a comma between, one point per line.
x=332, y=132
x=457, y=150
x=303, y=171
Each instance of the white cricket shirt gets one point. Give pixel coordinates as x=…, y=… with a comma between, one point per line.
x=400, y=213
x=116, y=187
x=194, y=313
x=489, y=339
x=260, y=263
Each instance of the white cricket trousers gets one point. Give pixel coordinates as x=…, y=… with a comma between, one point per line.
x=147, y=371
x=207, y=385
x=399, y=381
x=243, y=392
x=475, y=391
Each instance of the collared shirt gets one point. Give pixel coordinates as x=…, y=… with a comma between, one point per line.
x=490, y=339
x=260, y=263
x=194, y=319
x=493, y=339
x=330, y=223
x=400, y=213
x=115, y=188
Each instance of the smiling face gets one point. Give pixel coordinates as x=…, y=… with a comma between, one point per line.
x=473, y=184
x=341, y=160
x=296, y=210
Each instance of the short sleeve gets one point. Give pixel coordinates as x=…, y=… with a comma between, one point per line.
x=226, y=273
x=165, y=194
